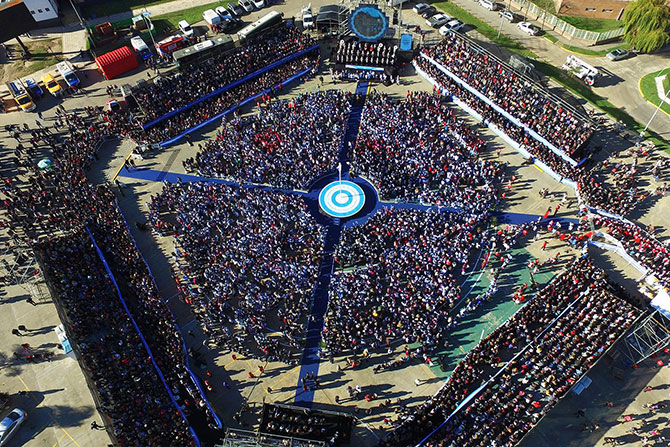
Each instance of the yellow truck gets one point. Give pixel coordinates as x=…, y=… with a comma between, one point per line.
x=21, y=95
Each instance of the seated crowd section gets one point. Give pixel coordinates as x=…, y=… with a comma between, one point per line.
x=302, y=423
x=532, y=361
x=288, y=144
x=172, y=92
x=519, y=97
x=248, y=258
x=556, y=124
x=416, y=150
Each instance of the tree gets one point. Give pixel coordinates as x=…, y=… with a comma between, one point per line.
x=646, y=24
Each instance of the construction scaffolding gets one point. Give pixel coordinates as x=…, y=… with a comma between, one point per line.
x=19, y=267
x=648, y=337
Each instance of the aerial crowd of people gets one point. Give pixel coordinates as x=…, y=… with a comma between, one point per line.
x=532, y=360
x=288, y=144
x=248, y=259
x=169, y=93
x=416, y=150
x=554, y=122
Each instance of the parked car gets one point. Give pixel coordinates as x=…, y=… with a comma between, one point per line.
x=438, y=20
x=489, y=4
x=617, y=54
x=10, y=425
x=509, y=16
x=430, y=12
x=51, y=84
x=527, y=27
x=451, y=25
x=307, y=17
x=186, y=29
x=246, y=5
x=259, y=4
x=420, y=8
x=234, y=9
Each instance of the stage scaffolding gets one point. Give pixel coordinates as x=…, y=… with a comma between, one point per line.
x=649, y=336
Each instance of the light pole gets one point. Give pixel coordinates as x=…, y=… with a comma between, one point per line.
x=660, y=104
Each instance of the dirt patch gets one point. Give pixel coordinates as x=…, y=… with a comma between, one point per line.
x=44, y=52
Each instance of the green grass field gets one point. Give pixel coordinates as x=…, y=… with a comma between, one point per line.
x=590, y=52
x=114, y=7
x=649, y=90
x=596, y=25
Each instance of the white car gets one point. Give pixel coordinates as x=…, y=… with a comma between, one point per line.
x=528, y=28
x=438, y=20
x=307, y=17
x=246, y=5
x=10, y=425
x=186, y=29
x=259, y=4
x=452, y=25
x=420, y=8
x=489, y=4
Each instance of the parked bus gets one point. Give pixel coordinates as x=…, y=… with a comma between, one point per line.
x=200, y=51
x=21, y=95
x=267, y=21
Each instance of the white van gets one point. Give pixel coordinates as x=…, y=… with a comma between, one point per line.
x=140, y=46
x=211, y=17
x=67, y=72
x=186, y=29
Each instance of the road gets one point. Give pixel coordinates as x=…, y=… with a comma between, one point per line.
x=619, y=84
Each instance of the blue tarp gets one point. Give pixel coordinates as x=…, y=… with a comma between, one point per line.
x=229, y=86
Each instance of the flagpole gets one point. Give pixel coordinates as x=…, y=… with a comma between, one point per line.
x=339, y=172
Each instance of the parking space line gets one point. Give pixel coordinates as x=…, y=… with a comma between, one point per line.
x=70, y=436
x=59, y=440
x=24, y=384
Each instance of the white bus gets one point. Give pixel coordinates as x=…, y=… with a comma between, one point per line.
x=267, y=21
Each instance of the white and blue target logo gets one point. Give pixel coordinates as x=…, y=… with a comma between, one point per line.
x=341, y=199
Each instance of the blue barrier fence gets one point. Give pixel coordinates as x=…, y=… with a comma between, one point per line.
x=218, y=116
x=227, y=87
x=500, y=110
x=139, y=333
x=194, y=378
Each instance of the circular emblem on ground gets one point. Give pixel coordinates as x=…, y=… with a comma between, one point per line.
x=341, y=199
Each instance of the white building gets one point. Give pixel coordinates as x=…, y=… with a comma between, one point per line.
x=42, y=10
x=45, y=12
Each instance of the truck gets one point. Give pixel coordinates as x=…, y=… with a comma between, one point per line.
x=171, y=44
x=21, y=95
x=141, y=48
x=66, y=70
x=581, y=70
